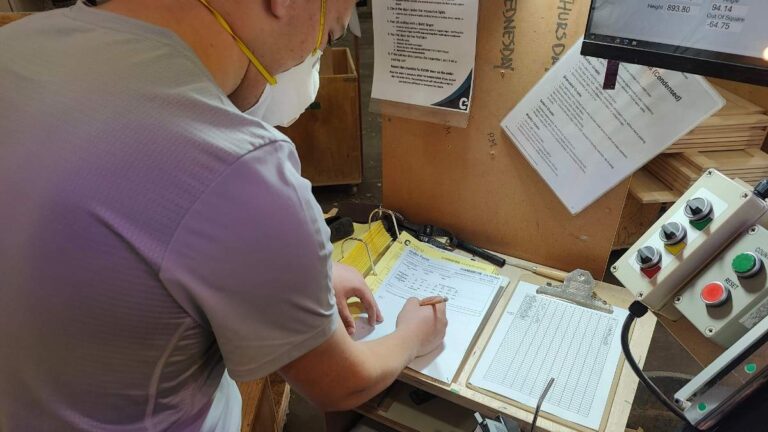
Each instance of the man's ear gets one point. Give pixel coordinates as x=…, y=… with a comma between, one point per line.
x=279, y=8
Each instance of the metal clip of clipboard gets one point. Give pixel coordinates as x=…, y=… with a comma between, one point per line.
x=578, y=288
x=370, y=243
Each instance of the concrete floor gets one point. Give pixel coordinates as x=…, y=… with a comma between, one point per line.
x=667, y=362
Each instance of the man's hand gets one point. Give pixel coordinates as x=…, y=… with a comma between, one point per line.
x=428, y=323
x=348, y=282
x=341, y=374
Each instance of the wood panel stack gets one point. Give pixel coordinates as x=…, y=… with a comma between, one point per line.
x=729, y=141
x=681, y=170
x=739, y=125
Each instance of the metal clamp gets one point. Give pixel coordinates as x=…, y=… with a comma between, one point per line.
x=381, y=210
x=578, y=288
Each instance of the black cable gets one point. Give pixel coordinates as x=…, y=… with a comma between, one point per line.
x=637, y=310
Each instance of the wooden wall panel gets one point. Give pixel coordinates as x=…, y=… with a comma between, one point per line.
x=474, y=181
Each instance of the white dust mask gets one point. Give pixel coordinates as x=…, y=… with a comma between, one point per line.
x=296, y=89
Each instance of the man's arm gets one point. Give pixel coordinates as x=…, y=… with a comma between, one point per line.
x=341, y=374
x=251, y=262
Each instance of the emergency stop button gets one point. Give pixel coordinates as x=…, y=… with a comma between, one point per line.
x=746, y=265
x=714, y=294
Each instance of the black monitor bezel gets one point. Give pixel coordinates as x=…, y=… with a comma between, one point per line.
x=728, y=66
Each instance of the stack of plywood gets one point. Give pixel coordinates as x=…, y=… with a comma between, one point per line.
x=681, y=170
x=740, y=124
x=729, y=141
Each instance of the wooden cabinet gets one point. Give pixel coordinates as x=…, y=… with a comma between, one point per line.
x=265, y=404
x=328, y=135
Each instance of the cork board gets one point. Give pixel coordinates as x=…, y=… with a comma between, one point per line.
x=474, y=181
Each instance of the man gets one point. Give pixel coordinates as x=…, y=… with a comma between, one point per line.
x=152, y=234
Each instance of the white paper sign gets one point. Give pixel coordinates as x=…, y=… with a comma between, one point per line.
x=425, y=52
x=584, y=140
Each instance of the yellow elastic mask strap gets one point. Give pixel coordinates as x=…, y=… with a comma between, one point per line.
x=323, y=11
x=267, y=76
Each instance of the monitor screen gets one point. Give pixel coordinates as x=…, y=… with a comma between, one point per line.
x=721, y=38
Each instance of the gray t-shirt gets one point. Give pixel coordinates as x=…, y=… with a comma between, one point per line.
x=150, y=233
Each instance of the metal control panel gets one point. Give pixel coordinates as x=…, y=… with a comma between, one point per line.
x=691, y=234
x=707, y=259
x=730, y=295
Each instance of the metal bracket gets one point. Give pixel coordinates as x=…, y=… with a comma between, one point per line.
x=578, y=288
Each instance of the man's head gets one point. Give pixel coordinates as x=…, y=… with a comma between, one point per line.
x=292, y=28
x=281, y=34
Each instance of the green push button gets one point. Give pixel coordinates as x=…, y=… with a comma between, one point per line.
x=746, y=264
x=750, y=368
x=702, y=407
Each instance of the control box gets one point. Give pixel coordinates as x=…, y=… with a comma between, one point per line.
x=730, y=295
x=691, y=233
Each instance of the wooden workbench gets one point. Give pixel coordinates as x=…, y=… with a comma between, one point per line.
x=460, y=392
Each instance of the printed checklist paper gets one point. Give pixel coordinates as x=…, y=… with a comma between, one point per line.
x=470, y=295
x=540, y=337
x=584, y=140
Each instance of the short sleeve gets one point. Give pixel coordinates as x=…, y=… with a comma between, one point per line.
x=251, y=261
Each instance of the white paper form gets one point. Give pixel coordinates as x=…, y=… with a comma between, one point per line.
x=425, y=52
x=470, y=294
x=540, y=337
x=584, y=140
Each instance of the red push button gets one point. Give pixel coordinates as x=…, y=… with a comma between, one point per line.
x=714, y=294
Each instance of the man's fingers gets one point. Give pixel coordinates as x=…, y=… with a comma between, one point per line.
x=379, y=316
x=346, y=318
x=366, y=297
x=440, y=308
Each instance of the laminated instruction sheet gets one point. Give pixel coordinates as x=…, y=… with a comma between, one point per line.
x=584, y=140
x=425, y=52
x=540, y=337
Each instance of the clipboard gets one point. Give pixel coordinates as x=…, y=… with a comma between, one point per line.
x=460, y=392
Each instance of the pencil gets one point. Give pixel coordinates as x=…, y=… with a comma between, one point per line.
x=431, y=301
